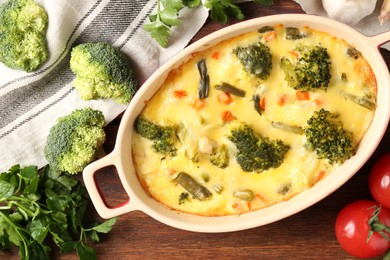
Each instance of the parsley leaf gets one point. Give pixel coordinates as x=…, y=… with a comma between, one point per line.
x=161, y=22
x=159, y=31
x=35, y=206
x=105, y=227
x=220, y=10
x=191, y=3
x=168, y=15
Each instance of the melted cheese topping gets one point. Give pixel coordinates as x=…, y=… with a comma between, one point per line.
x=204, y=124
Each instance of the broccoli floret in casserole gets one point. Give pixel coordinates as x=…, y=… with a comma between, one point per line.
x=163, y=137
x=255, y=153
x=327, y=137
x=256, y=59
x=311, y=71
x=220, y=157
x=102, y=72
x=75, y=140
x=293, y=33
x=23, y=25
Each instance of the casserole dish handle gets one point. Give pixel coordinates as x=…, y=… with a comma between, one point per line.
x=97, y=197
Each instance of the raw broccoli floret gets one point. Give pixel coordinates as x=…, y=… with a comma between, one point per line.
x=327, y=137
x=102, y=72
x=255, y=153
x=163, y=137
x=311, y=70
x=256, y=59
x=23, y=25
x=75, y=140
x=220, y=157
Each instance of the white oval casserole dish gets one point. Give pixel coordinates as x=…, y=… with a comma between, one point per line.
x=121, y=156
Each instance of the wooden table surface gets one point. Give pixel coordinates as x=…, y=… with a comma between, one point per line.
x=306, y=235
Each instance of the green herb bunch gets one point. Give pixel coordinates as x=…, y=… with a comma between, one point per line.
x=167, y=15
x=36, y=206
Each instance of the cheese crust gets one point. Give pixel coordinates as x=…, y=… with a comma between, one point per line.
x=205, y=123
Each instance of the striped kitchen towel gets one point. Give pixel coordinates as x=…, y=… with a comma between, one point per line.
x=30, y=103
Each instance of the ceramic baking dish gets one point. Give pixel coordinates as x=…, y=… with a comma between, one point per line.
x=121, y=156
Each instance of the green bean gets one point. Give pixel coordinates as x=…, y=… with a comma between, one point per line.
x=246, y=195
x=226, y=87
x=290, y=128
x=204, y=83
x=190, y=185
x=360, y=101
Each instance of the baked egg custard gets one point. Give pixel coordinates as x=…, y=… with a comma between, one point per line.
x=253, y=121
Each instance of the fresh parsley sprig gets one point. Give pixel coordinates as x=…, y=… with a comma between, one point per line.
x=36, y=206
x=167, y=15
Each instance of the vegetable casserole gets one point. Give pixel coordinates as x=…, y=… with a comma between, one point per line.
x=253, y=121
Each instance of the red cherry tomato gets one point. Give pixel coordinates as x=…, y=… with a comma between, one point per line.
x=379, y=181
x=352, y=229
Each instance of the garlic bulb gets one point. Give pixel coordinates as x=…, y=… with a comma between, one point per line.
x=348, y=11
x=384, y=13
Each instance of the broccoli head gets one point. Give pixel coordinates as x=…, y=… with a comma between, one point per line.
x=102, y=72
x=256, y=59
x=23, y=25
x=311, y=70
x=163, y=137
x=255, y=153
x=220, y=157
x=293, y=33
x=327, y=137
x=75, y=140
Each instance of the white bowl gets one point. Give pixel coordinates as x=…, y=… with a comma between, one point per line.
x=121, y=156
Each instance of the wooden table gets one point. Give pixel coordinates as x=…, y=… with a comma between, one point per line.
x=308, y=234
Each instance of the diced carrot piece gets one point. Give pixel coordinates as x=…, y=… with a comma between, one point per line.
x=225, y=97
x=294, y=53
x=320, y=176
x=241, y=207
x=268, y=36
x=180, y=93
x=227, y=116
x=282, y=100
x=318, y=102
x=249, y=205
x=302, y=95
x=198, y=104
x=260, y=197
x=262, y=102
x=171, y=171
x=216, y=55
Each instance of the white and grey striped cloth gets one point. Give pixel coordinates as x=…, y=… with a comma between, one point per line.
x=31, y=102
